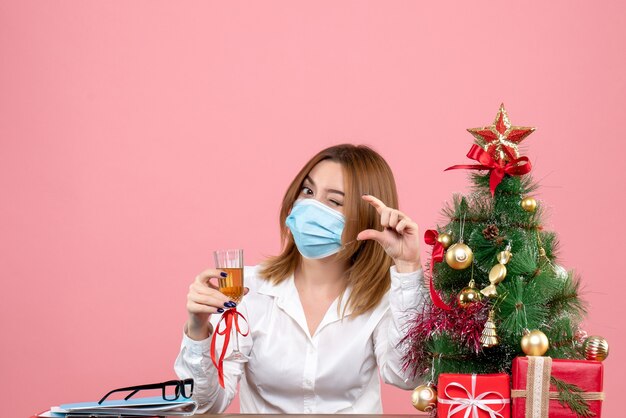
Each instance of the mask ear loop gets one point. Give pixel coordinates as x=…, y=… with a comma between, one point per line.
x=344, y=246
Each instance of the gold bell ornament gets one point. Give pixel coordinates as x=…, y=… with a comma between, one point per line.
x=529, y=204
x=534, y=343
x=497, y=273
x=468, y=295
x=596, y=348
x=489, y=337
x=424, y=398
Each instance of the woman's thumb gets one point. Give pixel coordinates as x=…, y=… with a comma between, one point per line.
x=371, y=234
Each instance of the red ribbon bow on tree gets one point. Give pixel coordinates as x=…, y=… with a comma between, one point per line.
x=430, y=237
x=228, y=317
x=516, y=167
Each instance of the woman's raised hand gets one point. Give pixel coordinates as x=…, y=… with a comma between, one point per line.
x=205, y=299
x=399, y=236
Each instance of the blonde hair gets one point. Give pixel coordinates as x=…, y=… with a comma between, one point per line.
x=364, y=172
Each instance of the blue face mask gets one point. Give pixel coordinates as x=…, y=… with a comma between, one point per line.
x=316, y=228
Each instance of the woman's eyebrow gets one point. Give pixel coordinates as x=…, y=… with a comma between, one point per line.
x=339, y=192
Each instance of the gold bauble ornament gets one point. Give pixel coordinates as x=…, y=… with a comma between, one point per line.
x=529, y=204
x=445, y=240
x=468, y=296
x=424, y=398
x=535, y=343
x=459, y=256
x=596, y=348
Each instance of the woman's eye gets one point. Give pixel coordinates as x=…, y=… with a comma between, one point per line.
x=307, y=191
x=335, y=203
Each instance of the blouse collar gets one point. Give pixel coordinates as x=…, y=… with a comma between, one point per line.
x=288, y=299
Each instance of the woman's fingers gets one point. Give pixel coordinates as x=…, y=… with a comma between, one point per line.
x=199, y=308
x=204, y=296
x=203, y=288
x=401, y=226
x=385, y=217
x=216, y=299
x=375, y=202
x=389, y=217
x=394, y=218
x=372, y=234
x=203, y=300
x=399, y=237
x=208, y=274
x=407, y=225
x=202, y=292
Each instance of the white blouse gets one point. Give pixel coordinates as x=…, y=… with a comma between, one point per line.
x=290, y=371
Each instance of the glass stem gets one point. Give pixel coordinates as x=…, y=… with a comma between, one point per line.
x=236, y=339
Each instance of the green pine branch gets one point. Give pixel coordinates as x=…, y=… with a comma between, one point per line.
x=567, y=299
x=548, y=284
x=563, y=343
x=521, y=306
x=508, y=186
x=448, y=355
x=570, y=396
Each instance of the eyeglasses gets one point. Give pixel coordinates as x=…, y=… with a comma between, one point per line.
x=171, y=390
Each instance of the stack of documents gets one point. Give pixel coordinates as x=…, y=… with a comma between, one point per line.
x=134, y=407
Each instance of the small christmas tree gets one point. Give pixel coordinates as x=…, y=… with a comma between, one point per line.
x=494, y=278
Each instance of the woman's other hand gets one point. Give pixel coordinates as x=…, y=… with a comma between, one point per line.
x=399, y=237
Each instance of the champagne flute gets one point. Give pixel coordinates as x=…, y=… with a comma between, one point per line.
x=231, y=262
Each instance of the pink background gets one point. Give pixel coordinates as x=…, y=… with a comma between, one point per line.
x=135, y=137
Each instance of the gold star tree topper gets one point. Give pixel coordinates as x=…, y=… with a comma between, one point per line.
x=501, y=140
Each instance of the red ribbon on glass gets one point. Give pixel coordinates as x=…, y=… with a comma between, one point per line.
x=516, y=167
x=228, y=318
x=430, y=237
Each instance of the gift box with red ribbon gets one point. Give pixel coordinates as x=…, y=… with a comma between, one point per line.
x=535, y=395
x=472, y=395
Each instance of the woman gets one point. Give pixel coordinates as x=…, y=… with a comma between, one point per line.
x=328, y=313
